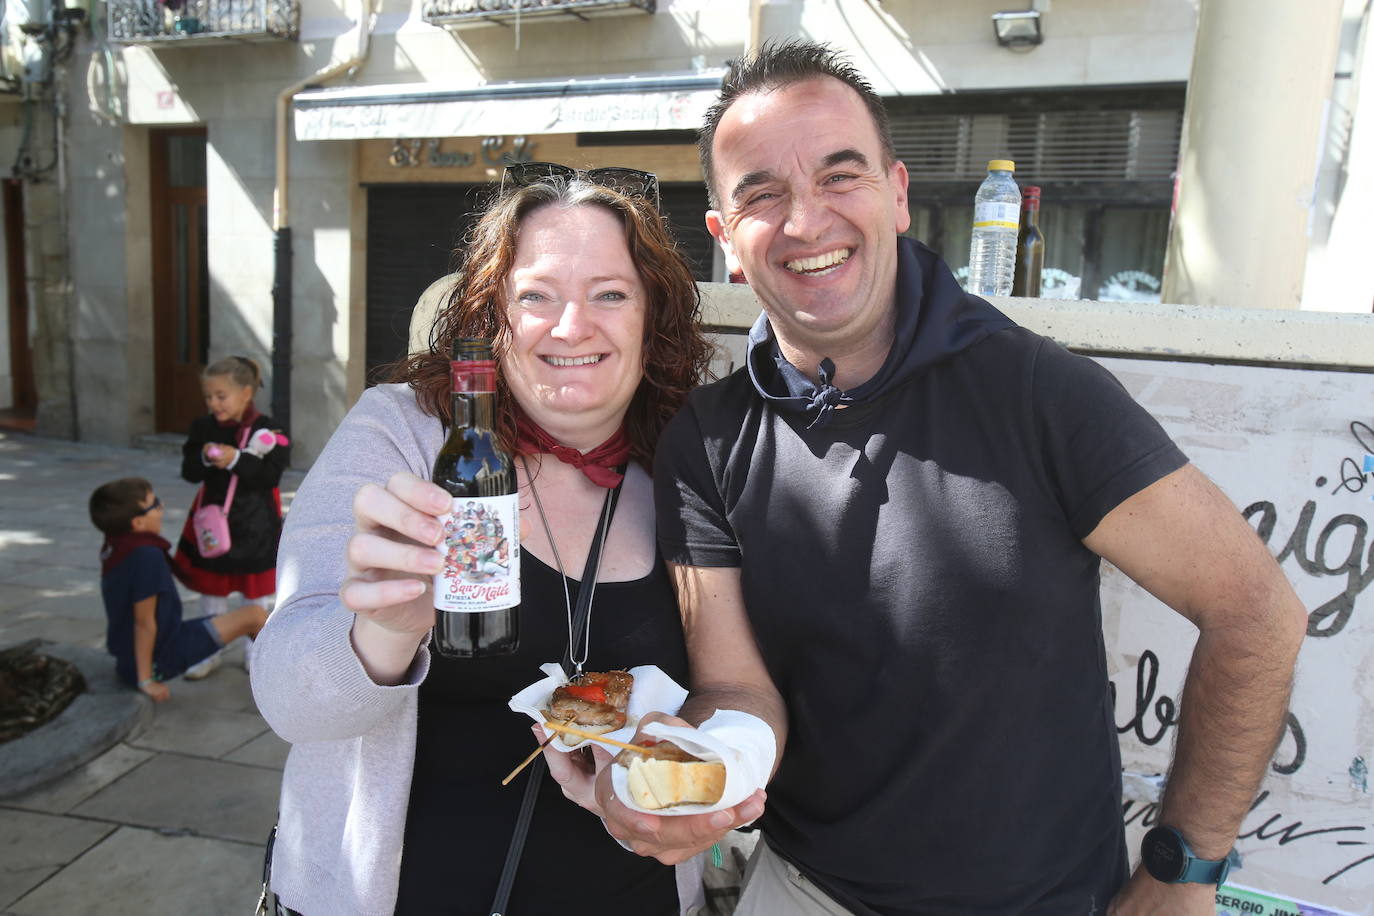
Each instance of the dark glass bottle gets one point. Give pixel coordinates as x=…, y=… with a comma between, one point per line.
x=1030, y=246
x=477, y=594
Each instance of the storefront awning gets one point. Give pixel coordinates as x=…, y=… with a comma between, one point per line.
x=421, y=110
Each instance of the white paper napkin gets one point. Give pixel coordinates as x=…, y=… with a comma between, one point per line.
x=652, y=691
x=743, y=742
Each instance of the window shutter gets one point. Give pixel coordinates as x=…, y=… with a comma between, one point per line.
x=1047, y=146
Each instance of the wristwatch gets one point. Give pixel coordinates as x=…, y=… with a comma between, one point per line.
x=1168, y=858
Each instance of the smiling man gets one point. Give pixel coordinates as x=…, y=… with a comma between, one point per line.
x=894, y=515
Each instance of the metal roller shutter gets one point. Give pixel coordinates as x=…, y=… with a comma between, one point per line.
x=411, y=233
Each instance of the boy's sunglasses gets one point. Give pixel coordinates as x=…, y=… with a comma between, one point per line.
x=155, y=504
x=630, y=182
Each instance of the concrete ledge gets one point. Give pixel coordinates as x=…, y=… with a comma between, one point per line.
x=1294, y=339
x=1291, y=338
x=91, y=725
x=1268, y=336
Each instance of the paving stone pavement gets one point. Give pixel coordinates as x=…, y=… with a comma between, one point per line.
x=172, y=819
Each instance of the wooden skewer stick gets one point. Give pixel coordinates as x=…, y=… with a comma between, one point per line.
x=560, y=727
x=528, y=760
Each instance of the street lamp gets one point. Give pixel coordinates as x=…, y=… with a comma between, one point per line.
x=1017, y=28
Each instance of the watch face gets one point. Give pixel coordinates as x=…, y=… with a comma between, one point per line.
x=1163, y=855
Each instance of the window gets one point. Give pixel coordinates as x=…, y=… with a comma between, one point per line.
x=1104, y=159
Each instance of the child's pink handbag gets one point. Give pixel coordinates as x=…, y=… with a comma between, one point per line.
x=210, y=524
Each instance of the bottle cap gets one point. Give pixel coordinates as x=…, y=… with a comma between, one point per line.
x=469, y=349
x=1001, y=165
x=1030, y=191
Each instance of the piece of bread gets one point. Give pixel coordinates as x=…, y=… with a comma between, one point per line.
x=658, y=784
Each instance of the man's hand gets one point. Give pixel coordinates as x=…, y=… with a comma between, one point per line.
x=1144, y=896
x=670, y=839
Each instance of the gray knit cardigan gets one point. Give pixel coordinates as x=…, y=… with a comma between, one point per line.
x=347, y=779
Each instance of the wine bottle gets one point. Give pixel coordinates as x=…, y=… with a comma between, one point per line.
x=477, y=593
x=1030, y=246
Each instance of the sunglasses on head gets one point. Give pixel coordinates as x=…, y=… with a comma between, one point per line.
x=630, y=182
x=155, y=504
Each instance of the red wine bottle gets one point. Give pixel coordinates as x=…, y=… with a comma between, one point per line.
x=1030, y=246
x=477, y=593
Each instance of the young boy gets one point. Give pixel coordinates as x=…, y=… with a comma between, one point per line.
x=145, y=634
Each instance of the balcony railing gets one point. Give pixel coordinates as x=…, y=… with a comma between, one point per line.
x=202, y=21
x=465, y=13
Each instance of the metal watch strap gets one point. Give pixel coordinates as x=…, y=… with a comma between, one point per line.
x=535, y=779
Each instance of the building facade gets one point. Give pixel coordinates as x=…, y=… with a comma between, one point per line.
x=198, y=178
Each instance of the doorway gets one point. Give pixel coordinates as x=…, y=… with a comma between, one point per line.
x=181, y=275
x=22, y=404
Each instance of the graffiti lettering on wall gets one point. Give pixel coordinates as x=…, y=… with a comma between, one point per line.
x=1279, y=829
x=1161, y=713
x=1357, y=566
x=494, y=152
x=1152, y=717
x=1355, y=472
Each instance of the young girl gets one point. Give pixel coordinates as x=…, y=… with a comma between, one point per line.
x=212, y=456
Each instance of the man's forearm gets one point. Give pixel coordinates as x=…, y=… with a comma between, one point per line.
x=767, y=705
x=1233, y=709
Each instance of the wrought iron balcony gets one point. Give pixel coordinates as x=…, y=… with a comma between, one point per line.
x=202, y=21
x=467, y=13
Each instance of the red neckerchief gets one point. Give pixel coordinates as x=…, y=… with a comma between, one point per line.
x=119, y=546
x=599, y=464
x=250, y=413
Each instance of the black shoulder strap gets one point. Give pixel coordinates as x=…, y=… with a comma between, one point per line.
x=536, y=770
x=587, y=586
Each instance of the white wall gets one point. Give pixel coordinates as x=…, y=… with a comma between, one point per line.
x=904, y=45
x=232, y=91
x=9, y=144
x=112, y=405
x=1290, y=448
x=915, y=46
x=1338, y=278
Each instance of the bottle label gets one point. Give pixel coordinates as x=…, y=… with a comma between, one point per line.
x=993, y=215
x=481, y=550
x=473, y=376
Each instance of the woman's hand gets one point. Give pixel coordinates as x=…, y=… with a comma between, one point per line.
x=391, y=564
x=576, y=770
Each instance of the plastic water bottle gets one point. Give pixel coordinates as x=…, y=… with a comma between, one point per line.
x=996, y=219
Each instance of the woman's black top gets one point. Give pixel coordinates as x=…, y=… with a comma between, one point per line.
x=459, y=823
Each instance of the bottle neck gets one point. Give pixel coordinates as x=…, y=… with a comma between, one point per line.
x=1030, y=212
x=474, y=394
x=474, y=411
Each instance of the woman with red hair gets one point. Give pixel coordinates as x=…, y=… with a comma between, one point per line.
x=391, y=796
